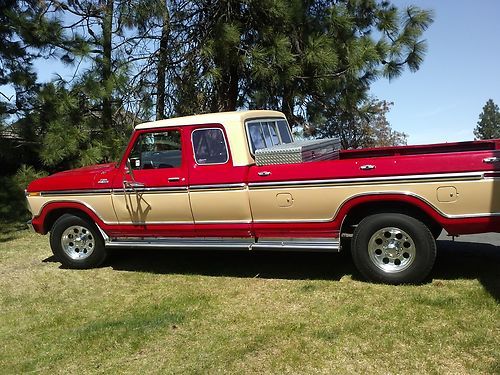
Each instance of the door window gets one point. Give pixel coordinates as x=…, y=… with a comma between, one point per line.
x=157, y=150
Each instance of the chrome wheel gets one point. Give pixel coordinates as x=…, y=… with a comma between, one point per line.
x=77, y=242
x=391, y=249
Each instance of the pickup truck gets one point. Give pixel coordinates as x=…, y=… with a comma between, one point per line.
x=193, y=182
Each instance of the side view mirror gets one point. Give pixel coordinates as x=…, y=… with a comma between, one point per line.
x=129, y=170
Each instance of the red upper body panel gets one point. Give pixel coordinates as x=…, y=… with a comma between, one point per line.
x=388, y=161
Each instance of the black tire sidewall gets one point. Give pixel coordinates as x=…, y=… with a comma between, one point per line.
x=95, y=259
x=424, y=243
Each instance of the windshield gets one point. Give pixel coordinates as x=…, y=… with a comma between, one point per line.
x=267, y=133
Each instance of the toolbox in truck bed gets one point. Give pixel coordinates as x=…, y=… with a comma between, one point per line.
x=299, y=152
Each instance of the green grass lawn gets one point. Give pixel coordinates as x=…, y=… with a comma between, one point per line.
x=193, y=312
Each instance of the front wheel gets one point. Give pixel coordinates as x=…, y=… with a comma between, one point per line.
x=77, y=243
x=393, y=249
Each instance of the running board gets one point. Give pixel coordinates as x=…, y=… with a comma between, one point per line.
x=310, y=244
x=302, y=244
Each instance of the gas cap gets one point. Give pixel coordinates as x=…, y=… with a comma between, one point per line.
x=447, y=194
x=284, y=199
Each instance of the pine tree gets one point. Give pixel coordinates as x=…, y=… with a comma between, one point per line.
x=27, y=34
x=309, y=59
x=488, y=126
x=101, y=87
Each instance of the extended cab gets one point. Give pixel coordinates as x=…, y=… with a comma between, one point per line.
x=193, y=182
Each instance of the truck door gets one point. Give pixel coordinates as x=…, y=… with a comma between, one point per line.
x=155, y=191
x=218, y=191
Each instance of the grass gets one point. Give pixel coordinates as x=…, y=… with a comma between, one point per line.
x=194, y=312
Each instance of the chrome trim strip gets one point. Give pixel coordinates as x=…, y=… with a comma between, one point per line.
x=152, y=190
x=222, y=222
x=345, y=181
x=182, y=222
x=76, y=192
x=241, y=186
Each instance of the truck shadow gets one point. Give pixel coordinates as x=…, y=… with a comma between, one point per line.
x=234, y=263
x=469, y=260
x=455, y=260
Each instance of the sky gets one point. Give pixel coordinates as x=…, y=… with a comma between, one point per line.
x=442, y=101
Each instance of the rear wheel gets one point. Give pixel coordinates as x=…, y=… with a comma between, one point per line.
x=393, y=248
x=77, y=243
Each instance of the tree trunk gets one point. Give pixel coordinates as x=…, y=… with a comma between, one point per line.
x=107, y=25
x=162, y=65
x=232, y=89
x=287, y=105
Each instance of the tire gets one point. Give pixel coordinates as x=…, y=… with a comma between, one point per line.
x=77, y=243
x=436, y=231
x=393, y=249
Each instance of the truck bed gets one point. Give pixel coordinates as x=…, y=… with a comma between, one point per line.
x=438, y=148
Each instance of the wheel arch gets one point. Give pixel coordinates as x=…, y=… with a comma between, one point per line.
x=54, y=211
x=358, y=208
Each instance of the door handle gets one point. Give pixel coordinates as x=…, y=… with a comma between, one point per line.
x=367, y=167
x=491, y=160
x=133, y=184
x=264, y=173
x=174, y=179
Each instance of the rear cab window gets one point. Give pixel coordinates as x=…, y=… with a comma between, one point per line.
x=267, y=133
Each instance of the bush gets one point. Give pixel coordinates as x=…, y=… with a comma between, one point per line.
x=12, y=201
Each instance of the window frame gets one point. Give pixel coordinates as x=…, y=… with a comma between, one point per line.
x=261, y=121
x=225, y=144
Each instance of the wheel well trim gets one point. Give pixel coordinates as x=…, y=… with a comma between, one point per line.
x=394, y=196
x=67, y=207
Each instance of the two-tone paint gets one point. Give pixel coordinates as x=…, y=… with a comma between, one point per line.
x=457, y=186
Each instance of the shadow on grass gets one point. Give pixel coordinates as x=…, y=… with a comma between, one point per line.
x=455, y=260
x=469, y=260
x=10, y=230
x=247, y=264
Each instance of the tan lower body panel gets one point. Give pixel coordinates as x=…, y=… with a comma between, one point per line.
x=101, y=204
x=216, y=206
x=321, y=203
x=164, y=207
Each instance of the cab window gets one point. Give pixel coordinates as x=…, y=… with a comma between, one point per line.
x=157, y=150
x=209, y=146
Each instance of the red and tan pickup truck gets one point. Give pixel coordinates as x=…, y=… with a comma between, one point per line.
x=196, y=182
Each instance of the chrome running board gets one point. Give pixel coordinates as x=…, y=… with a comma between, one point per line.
x=298, y=244
x=289, y=244
x=174, y=242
